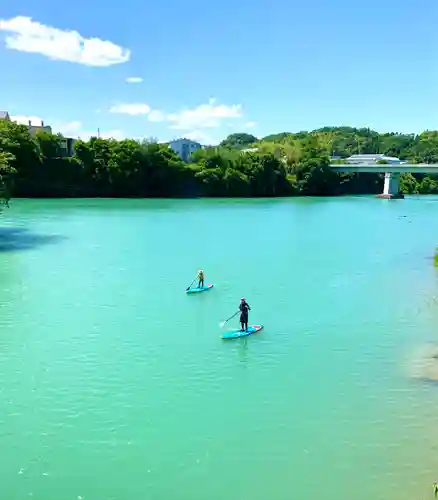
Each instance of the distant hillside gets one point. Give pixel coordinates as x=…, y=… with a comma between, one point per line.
x=238, y=141
x=276, y=137
x=345, y=141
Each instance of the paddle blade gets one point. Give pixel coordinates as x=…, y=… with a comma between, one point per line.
x=190, y=286
x=222, y=323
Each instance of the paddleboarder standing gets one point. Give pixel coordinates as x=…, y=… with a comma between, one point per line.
x=244, y=308
x=200, y=278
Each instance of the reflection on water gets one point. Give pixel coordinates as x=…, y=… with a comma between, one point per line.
x=243, y=350
x=13, y=239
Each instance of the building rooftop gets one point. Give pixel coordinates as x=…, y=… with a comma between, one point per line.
x=183, y=139
x=364, y=158
x=373, y=155
x=249, y=150
x=368, y=156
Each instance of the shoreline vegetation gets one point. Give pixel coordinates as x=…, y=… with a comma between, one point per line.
x=435, y=257
x=284, y=164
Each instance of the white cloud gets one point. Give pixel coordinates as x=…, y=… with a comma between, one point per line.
x=70, y=129
x=156, y=116
x=199, y=136
x=194, y=122
x=251, y=124
x=204, y=115
x=75, y=129
x=134, y=108
x=23, y=119
x=134, y=79
x=26, y=35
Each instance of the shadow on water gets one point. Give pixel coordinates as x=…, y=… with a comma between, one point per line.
x=243, y=350
x=15, y=239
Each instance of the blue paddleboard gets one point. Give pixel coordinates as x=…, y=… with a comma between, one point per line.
x=199, y=290
x=236, y=334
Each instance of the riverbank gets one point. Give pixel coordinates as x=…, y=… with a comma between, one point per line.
x=291, y=165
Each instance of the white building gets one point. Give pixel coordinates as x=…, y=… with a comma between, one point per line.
x=184, y=147
x=372, y=158
x=249, y=150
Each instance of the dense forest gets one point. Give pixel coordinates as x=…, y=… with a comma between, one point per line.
x=346, y=141
x=283, y=164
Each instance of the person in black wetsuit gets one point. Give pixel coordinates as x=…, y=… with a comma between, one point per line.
x=244, y=308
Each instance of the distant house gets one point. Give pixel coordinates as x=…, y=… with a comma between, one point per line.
x=249, y=150
x=67, y=147
x=67, y=143
x=34, y=129
x=184, y=147
x=372, y=158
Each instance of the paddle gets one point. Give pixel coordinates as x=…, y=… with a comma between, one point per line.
x=222, y=323
x=190, y=286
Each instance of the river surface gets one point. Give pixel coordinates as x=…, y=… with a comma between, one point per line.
x=116, y=385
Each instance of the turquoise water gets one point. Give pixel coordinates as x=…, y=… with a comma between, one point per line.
x=116, y=385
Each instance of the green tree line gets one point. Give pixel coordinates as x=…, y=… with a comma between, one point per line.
x=346, y=141
x=282, y=165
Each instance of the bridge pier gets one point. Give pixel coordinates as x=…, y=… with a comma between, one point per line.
x=391, y=188
x=392, y=173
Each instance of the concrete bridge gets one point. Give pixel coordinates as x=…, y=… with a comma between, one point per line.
x=392, y=173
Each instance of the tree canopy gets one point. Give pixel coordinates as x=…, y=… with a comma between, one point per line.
x=6, y=175
x=281, y=165
x=345, y=141
x=238, y=141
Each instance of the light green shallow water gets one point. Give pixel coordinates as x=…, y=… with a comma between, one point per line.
x=115, y=385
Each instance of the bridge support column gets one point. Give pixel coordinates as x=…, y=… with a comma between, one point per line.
x=391, y=188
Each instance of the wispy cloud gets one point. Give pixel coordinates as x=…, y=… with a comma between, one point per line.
x=133, y=108
x=134, y=79
x=77, y=129
x=200, y=136
x=193, y=123
x=25, y=119
x=204, y=116
x=26, y=35
x=74, y=129
x=156, y=116
x=251, y=124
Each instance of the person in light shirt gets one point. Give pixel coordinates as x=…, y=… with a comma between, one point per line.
x=200, y=278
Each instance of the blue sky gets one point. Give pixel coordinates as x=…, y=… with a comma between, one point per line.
x=210, y=69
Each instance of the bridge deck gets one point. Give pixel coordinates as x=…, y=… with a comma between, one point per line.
x=420, y=168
